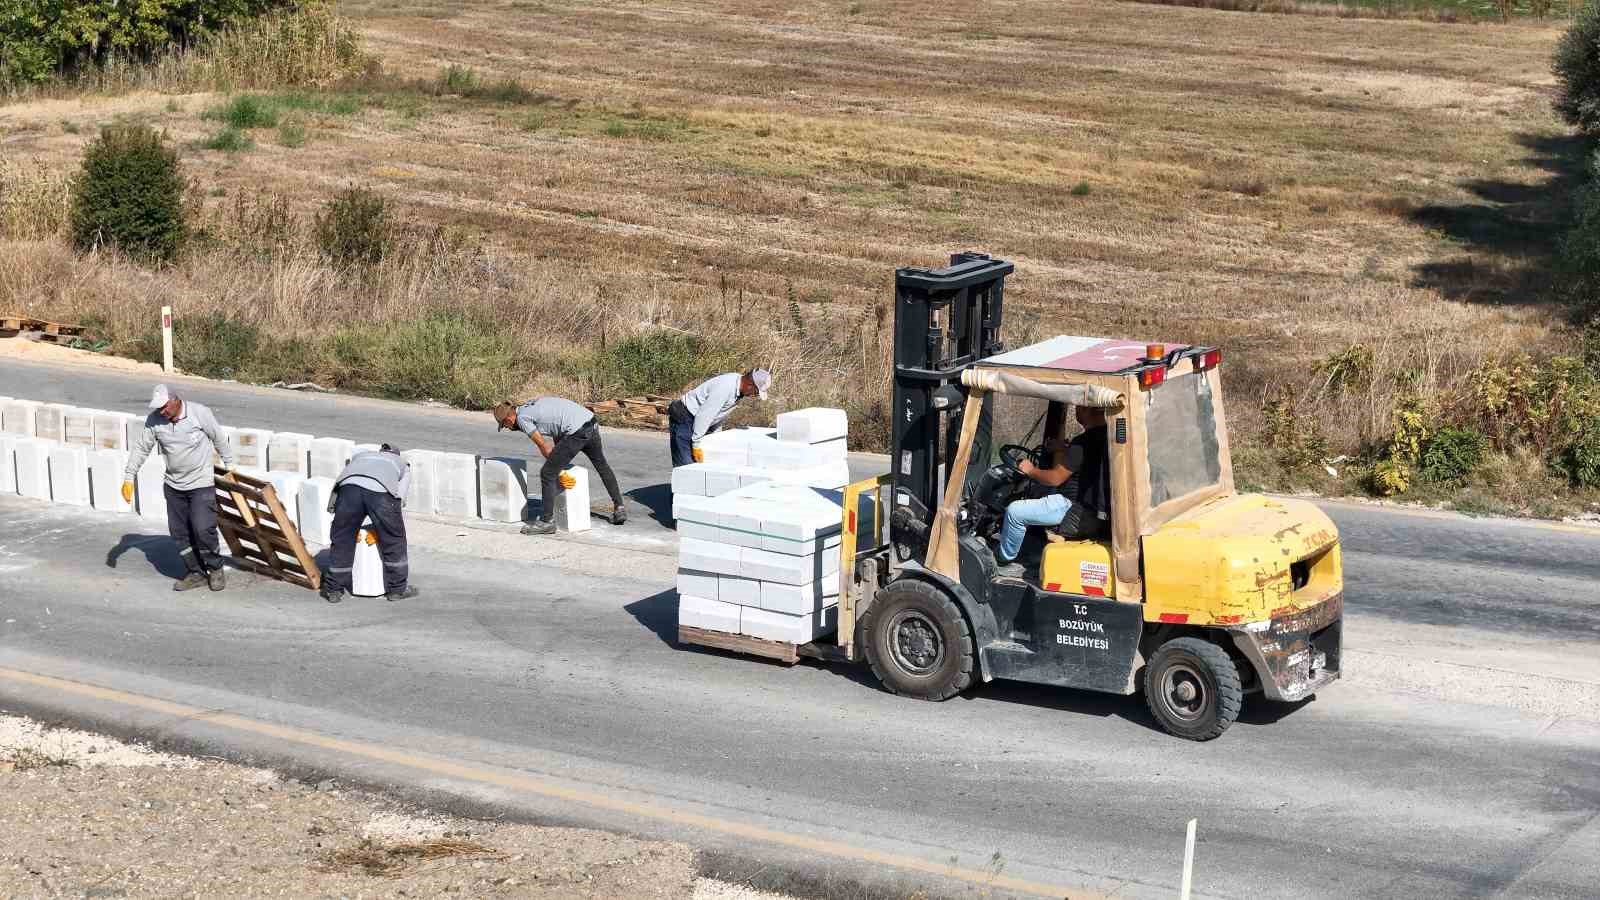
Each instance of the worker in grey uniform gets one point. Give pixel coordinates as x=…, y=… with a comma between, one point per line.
x=372, y=486
x=186, y=432
x=561, y=429
x=704, y=408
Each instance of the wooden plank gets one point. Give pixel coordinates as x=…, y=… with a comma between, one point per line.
x=259, y=530
x=739, y=643
x=293, y=536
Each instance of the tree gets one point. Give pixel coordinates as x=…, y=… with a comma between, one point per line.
x=129, y=195
x=1577, y=70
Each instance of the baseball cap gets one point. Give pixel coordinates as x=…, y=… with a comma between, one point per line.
x=762, y=379
x=500, y=412
x=160, y=397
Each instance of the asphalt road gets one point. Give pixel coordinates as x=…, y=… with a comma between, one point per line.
x=1459, y=757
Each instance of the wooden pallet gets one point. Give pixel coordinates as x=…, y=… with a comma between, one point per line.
x=48, y=330
x=259, y=533
x=781, y=651
x=647, y=411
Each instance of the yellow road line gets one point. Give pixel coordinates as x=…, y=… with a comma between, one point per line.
x=542, y=787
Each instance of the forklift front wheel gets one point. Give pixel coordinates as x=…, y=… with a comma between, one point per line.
x=1193, y=689
x=918, y=643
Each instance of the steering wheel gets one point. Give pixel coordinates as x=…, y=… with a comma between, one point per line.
x=1012, y=455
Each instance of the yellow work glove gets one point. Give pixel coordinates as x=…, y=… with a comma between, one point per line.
x=127, y=492
x=698, y=454
x=568, y=482
x=372, y=539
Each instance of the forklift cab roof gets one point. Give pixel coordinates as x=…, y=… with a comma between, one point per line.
x=1089, y=355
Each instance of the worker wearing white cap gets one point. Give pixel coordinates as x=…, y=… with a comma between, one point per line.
x=704, y=408
x=186, y=432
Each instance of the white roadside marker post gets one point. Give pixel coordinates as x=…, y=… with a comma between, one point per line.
x=1188, y=859
x=166, y=339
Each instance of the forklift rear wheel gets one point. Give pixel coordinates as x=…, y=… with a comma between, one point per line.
x=1193, y=689
x=918, y=643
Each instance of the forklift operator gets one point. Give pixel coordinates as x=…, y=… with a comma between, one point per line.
x=1080, y=495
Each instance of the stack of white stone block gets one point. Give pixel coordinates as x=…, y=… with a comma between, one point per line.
x=762, y=561
x=758, y=526
x=807, y=448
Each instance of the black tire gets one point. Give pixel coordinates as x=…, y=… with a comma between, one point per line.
x=1192, y=688
x=918, y=642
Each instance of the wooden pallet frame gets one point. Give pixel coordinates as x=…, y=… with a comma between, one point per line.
x=259, y=532
x=650, y=410
x=48, y=330
x=783, y=652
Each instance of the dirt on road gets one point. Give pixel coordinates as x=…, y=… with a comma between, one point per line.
x=87, y=816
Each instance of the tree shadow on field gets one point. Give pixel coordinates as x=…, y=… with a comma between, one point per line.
x=159, y=551
x=1509, y=236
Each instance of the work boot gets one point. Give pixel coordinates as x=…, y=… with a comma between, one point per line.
x=1012, y=569
x=217, y=579
x=333, y=596
x=190, y=581
x=405, y=593
x=539, y=526
x=618, y=515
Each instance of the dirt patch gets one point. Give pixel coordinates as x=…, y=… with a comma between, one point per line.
x=88, y=816
x=39, y=351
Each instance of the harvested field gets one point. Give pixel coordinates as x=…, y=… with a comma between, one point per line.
x=1284, y=186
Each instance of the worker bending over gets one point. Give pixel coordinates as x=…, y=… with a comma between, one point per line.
x=561, y=430
x=1080, y=483
x=372, y=486
x=186, y=432
x=704, y=408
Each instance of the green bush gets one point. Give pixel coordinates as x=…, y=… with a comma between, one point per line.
x=229, y=140
x=356, y=228
x=210, y=345
x=129, y=194
x=451, y=357
x=1452, y=454
x=1578, y=255
x=1577, y=70
x=657, y=362
x=246, y=111
x=40, y=39
x=1580, y=462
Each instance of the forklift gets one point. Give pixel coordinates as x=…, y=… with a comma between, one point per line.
x=1185, y=590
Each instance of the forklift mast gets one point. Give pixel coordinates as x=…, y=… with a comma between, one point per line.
x=944, y=320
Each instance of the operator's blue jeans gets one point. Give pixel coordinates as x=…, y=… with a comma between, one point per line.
x=1048, y=510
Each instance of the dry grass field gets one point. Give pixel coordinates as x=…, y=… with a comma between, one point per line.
x=1285, y=186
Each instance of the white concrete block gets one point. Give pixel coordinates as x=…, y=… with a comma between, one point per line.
x=502, y=488
x=799, y=599
x=316, y=523
x=18, y=417
x=836, y=449
x=77, y=426
x=699, y=532
x=457, y=486
x=110, y=431
x=366, y=572
x=793, y=512
x=365, y=448
x=721, y=479
x=69, y=475
x=289, y=451
x=711, y=615
x=33, y=467
x=423, y=493
x=690, y=479
x=813, y=425
x=776, y=626
x=328, y=456
x=287, y=485
x=8, y=463
x=49, y=422
x=731, y=447
x=225, y=434
x=738, y=591
x=572, y=507
x=740, y=522
x=706, y=556
x=149, y=488
x=786, y=455
x=250, y=448
x=694, y=508
x=105, y=480
x=749, y=475
x=793, y=547
x=697, y=584
x=765, y=565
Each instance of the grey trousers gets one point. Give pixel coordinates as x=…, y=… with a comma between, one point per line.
x=192, y=522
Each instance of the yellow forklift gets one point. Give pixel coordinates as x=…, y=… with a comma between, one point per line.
x=1185, y=589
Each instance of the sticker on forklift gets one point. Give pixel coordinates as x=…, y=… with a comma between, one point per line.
x=1093, y=576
